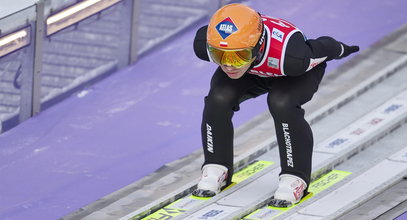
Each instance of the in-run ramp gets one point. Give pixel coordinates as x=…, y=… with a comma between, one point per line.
x=363, y=115
x=353, y=93
x=340, y=191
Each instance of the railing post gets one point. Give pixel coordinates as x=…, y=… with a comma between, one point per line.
x=134, y=30
x=39, y=37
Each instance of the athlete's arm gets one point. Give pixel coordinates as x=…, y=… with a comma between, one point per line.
x=302, y=55
x=200, y=43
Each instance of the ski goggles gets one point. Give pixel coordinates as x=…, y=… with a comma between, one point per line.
x=231, y=57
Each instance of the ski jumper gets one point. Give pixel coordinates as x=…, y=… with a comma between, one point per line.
x=289, y=72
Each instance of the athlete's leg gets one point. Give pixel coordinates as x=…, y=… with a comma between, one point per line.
x=217, y=129
x=294, y=134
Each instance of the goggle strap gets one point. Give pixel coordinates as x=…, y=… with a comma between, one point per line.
x=260, y=42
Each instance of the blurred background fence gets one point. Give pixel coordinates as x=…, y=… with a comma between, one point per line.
x=51, y=48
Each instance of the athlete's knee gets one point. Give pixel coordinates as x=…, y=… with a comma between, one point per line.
x=281, y=103
x=222, y=100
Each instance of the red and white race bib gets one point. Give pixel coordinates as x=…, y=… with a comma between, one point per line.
x=279, y=32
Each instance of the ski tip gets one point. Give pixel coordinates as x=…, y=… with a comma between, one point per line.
x=203, y=193
x=280, y=203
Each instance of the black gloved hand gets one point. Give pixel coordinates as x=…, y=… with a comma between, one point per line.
x=347, y=50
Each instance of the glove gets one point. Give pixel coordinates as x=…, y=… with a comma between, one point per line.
x=346, y=50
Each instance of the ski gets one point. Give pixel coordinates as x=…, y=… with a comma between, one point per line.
x=188, y=202
x=317, y=186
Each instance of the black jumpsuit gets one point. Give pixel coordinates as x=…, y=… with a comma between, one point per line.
x=286, y=95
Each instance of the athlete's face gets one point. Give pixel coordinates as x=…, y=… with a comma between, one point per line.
x=233, y=72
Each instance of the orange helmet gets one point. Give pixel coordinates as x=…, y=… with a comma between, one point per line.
x=233, y=36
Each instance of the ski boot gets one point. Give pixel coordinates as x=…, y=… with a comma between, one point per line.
x=291, y=190
x=212, y=181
